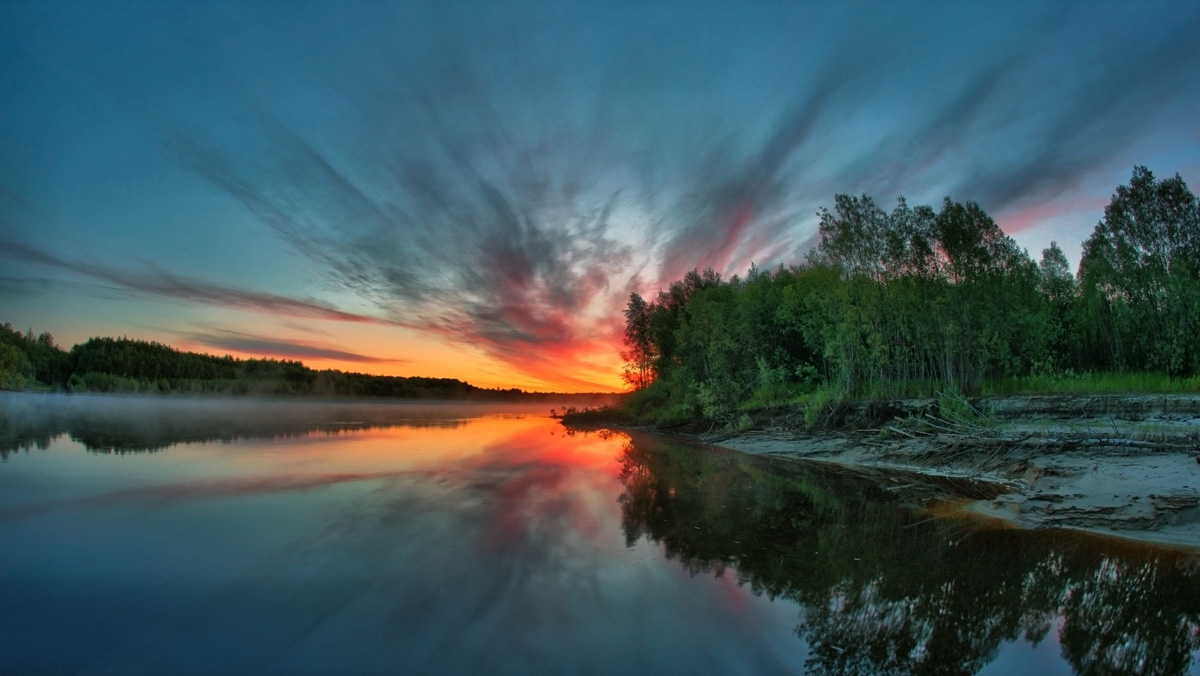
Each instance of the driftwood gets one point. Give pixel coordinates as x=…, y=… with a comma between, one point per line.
x=1063, y=442
x=956, y=434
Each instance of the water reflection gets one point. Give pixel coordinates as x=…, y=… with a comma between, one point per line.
x=885, y=589
x=131, y=424
x=493, y=547
x=336, y=538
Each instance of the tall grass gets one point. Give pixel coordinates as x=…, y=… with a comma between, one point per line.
x=1094, y=383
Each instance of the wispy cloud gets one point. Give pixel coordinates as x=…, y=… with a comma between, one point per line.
x=155, y=282
x=498, y=243
x=737, y=204
x=264, y=346
x=507, y=230
x=34, y=286
x=1095, y=118
x=504, y=181
x=7, y=194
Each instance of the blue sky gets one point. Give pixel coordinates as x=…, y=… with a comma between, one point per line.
x=472, y=190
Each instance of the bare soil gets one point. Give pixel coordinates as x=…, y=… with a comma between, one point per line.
x=1122, y=465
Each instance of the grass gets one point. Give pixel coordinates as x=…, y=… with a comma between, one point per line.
x=745, y=423
x=656, y=404
x=1094, y=383
x=819, y=406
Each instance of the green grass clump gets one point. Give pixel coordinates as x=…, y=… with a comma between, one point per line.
x=745, y=423
x=1094, y=383
x=954, y=408
x=819, y=405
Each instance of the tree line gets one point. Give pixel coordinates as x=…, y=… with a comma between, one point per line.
x=137, y=366
x=920, y=300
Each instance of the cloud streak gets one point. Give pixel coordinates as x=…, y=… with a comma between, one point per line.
x=494, y=243
x=167, y=285
x=490, y=224
x=260, y=345
x=502, y=180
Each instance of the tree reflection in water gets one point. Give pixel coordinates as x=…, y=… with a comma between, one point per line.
x=886, y=589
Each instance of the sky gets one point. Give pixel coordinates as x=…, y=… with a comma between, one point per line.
x=472, y=190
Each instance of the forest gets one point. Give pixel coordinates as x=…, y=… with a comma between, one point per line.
x=918, y=301
x=137, y=366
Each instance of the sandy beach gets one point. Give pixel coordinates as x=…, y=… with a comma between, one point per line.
x=1124, y=466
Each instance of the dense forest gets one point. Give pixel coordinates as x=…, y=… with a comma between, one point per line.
x=124, y=365
x=918, y=301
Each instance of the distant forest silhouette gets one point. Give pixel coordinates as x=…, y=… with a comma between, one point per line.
x=124, y=365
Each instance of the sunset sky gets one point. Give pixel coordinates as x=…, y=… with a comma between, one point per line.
x=472, y=190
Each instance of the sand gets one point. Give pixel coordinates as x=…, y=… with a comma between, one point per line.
x=1124, y=466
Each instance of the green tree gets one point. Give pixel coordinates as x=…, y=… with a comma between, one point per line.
x=640, y=352
x=15, y=368
x=1061, y=292
x=1139, y=275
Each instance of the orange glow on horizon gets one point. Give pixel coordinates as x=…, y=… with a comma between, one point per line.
x=592, y=365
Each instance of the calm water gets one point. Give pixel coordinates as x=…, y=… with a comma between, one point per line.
x=237, y=537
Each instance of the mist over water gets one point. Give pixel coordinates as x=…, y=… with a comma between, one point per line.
x=315, y=538
x=122, y=424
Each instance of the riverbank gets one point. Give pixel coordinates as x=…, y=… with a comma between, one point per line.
x=1118, y=465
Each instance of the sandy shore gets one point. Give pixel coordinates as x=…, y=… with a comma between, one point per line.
x=1126, y=466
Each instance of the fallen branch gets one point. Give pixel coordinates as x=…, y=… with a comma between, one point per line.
x=953, y=441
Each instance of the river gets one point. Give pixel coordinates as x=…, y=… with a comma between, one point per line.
x=225, y=536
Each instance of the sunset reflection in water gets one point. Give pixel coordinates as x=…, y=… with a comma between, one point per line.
x=382, y=539
x=482, y=544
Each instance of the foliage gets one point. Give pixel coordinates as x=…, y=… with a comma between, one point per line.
x=122, y=365
x=954, y=408
x=820, y=407
x=745, y=423
x=15, y=367
x=639, y=355
x=26, y=359
x=917, y=301
x=1147, y=382
x=1140, y=274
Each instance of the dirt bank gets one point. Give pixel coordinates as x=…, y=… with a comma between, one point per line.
x=1120, y=465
